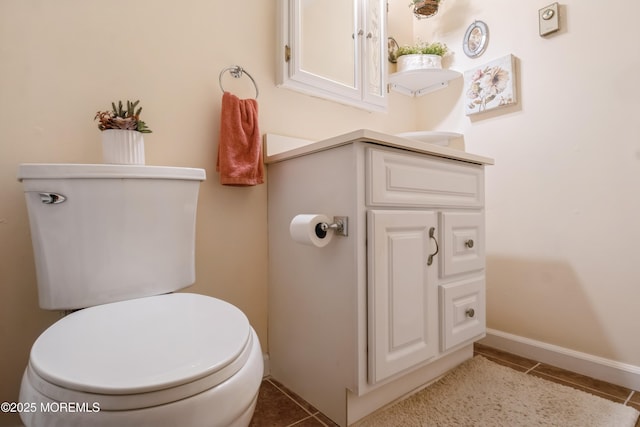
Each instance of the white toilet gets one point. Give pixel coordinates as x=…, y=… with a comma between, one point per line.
x=113, y=242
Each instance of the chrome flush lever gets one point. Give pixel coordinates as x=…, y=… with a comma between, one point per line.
x=52, y=198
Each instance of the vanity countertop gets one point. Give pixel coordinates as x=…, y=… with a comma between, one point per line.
x=274, y=153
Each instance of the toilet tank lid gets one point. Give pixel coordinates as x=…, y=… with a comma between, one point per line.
x=102, y=171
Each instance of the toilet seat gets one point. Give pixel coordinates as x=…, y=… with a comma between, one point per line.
x=140, y=353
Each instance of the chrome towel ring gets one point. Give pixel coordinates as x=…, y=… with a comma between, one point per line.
x=236, y=71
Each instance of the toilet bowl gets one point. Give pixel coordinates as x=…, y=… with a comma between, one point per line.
x=177, y=359
x=115, y=243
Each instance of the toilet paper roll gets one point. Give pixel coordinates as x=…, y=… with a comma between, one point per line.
x=305, y=229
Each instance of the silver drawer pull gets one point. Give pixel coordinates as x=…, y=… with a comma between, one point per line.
x=52, y=198
x=469, y=243
x=432, y=232
x=470, y=312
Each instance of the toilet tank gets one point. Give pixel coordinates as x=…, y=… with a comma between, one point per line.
x=105, y=233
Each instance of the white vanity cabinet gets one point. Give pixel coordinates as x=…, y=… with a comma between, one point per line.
x=425, y=222
x=376, y=314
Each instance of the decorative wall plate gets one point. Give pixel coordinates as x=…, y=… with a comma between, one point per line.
x=476, y=39
x=392, y=48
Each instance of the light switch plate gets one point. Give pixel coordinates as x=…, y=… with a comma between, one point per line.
x=548, y=19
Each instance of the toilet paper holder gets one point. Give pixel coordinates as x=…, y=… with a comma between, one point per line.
x=340, y=226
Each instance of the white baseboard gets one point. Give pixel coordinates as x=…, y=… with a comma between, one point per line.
x=597, y=367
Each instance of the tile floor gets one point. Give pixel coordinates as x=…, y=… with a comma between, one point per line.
x=279, y=407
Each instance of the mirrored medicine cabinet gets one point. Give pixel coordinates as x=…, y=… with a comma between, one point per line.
x=334, y=49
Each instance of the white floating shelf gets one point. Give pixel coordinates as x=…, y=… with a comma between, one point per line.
x=421, y=82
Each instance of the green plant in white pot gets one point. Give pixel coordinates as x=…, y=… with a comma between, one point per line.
x=122, y=133
x=421, y=56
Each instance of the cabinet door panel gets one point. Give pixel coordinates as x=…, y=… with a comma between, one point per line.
x=403, y=307
x=374, y=63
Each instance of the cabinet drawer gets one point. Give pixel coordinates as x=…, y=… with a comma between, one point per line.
x=463, y=313
x=401, y=179
x=462, y=239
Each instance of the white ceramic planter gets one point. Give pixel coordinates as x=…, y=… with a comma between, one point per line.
x=418, y=62
x=122, y=147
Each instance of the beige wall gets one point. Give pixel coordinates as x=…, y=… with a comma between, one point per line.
x=562, y=231
x=61, y=61
x=564, y=194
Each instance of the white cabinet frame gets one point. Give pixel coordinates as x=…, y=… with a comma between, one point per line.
x=370, y=67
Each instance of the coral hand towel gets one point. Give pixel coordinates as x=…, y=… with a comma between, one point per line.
x=240, y=145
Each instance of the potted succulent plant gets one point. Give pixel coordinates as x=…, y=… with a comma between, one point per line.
x=122, y=130
x=421, y=55
x=424, y=8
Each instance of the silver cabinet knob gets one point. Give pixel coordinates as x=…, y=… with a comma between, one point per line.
x=470, y=312
x=469, y=243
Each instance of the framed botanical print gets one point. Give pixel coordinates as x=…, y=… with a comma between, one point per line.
x=490, y=86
